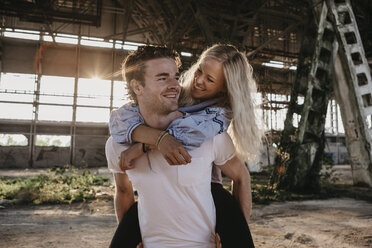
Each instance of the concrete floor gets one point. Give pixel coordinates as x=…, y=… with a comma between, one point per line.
x=337, y=222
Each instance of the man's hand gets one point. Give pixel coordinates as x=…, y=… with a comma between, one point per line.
x=173, y=151
x=127, y=156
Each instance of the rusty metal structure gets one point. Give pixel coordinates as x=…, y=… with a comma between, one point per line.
x=338, y=48
x=301, y=149
x=353, y=75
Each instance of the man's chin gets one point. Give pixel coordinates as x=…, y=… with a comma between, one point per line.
x=174, y=107
x=172, y=103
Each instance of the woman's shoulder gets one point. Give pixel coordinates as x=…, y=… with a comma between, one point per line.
x=211, y=104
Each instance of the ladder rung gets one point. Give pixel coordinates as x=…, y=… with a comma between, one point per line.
x=365, y=89
x=368, y=110
x=347, y=28
x=329, y=26
x=325, y=66
x=317, y=109
x=355, y=48
x=342, y=7
x=363, y=68
x=327, y=45
x=317, y=84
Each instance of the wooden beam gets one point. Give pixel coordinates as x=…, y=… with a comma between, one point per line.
x=204, y=25
x=128, y=12
x=131, y=32
x=287, y=30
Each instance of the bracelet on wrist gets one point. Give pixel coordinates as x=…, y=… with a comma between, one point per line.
x=145, y=148
x=160, y=137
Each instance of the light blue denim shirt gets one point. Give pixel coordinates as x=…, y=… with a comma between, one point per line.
x=200, y=123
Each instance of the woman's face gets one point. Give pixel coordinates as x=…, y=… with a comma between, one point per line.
x=208, y=79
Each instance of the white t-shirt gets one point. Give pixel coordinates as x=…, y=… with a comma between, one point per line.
x=175, y=204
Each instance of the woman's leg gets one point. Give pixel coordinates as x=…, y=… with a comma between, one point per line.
x=128, y=233
x=230, y=221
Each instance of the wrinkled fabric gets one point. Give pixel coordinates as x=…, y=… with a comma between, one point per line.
x=194, y=129
x=200, y=123
x=123, y=121
x=200, y=106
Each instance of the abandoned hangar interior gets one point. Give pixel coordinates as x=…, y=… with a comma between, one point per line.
x=60, y=71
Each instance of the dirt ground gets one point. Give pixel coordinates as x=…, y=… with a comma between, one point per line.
x=337, y=222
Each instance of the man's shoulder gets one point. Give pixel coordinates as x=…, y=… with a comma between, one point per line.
x=222, y=139
x=113, y=146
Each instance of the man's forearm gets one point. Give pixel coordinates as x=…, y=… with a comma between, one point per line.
x=242, y=192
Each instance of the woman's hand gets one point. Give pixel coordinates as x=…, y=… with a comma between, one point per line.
x=173, y=151
x=218, y=241
x=128, y=156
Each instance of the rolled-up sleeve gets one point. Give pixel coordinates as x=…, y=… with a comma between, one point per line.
x=223, y=148
x=122, y=123
x=194, y=129
x=113, y=151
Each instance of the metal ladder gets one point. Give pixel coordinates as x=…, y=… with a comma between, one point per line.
x=301, y=150
x=353, y=64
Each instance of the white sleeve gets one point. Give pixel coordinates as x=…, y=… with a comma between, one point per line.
x=223, y=148
x=113, y=151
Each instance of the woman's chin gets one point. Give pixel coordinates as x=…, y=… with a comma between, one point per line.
x=195, y=94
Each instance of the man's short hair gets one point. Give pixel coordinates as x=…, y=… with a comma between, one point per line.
x=134, y=64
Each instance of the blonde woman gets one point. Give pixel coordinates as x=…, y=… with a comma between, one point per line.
x=217, y=89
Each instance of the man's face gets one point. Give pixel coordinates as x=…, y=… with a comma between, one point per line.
x=161, y=88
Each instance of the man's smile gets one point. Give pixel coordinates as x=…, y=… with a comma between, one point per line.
x=171, y=95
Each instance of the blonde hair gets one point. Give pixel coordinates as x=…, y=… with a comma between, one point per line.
x=246, y=129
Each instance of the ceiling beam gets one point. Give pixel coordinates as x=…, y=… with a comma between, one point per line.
x=290, y=28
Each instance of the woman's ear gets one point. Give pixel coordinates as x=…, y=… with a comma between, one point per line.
x=136, y=86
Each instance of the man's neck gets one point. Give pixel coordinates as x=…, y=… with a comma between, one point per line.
x=158, y=120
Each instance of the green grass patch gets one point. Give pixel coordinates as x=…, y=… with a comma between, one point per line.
x=60, y=186
x=264, y=193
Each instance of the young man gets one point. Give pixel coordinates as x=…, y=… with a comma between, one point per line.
x=175, y=206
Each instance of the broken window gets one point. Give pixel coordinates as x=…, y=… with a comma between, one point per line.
x=53, y=140
x=13, y=140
